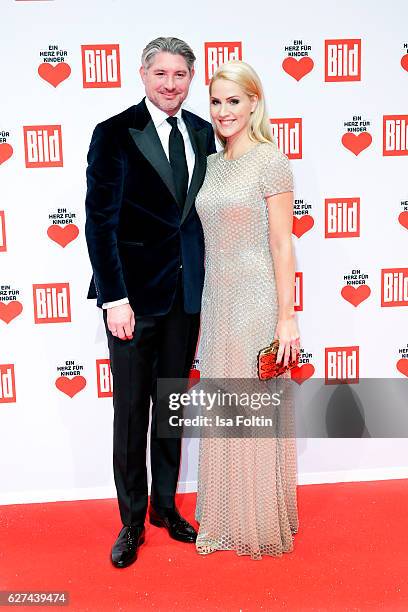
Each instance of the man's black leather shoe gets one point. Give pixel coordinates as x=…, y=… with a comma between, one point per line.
x=178, y=528
x=124, y=551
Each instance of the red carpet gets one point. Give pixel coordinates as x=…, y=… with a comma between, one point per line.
x=350, y=555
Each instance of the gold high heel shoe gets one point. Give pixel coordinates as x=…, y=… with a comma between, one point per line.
x=206, y=546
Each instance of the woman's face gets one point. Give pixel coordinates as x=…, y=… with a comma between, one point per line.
x=230, y=108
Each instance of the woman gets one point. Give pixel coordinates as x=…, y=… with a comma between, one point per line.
x=247, y=487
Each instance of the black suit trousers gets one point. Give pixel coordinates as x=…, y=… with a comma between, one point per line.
x=162, y=347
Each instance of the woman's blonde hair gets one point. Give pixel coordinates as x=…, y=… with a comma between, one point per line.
x=241, y=73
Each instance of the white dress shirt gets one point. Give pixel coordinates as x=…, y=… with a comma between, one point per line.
x=163, y=129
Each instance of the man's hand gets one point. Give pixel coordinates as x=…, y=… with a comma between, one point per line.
x=121, y=321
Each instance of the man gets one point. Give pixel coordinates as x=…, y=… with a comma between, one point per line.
x=145, y=242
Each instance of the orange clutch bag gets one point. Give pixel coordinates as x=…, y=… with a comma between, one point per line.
x=267, y=366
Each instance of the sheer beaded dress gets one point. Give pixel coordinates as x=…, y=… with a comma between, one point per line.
x=246, y=498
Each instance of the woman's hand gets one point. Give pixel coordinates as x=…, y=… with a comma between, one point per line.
x=289, y=339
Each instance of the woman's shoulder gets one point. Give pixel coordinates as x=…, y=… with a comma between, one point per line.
x=276, y=174
x=213, y=157
x=271, y=152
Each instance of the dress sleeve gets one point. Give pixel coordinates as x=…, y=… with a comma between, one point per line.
x=276, y=175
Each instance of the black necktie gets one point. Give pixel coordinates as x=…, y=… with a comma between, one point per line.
x=178, y=162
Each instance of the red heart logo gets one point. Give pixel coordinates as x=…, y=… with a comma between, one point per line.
x=54, y=74
x=301, y=373
x=70, y=385
x=402, y=366
x=193, y=378
x=301, y=225
x=297, y=68
x=63, y=235
x=356, y=142
x=6, y=151
x=403, y=218
x=10, y=310
x=404, y=61
x=355, y=295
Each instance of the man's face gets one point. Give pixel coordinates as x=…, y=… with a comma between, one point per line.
x=167, y=81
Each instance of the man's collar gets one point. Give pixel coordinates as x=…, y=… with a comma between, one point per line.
x=158, y=116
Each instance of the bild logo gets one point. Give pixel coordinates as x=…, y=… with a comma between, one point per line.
x=52, y=303
x=341, y=364
x=100, y=66
x=394, y=287
x=217, y=53
x=104, y=378
x=395, y=135
x=342, y=60
x=7, y=383
x=43, y=146
x=342, y=217
x=288, y=136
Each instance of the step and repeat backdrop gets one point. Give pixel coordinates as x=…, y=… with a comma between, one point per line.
x=336, y=85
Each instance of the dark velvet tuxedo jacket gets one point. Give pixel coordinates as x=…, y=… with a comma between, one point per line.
x=138, y=235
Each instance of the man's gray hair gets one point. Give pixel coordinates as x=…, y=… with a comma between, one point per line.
x=167, y=44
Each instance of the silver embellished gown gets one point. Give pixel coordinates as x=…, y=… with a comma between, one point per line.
x=246, y=487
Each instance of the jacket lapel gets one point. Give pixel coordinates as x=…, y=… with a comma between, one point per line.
x=148, y=143
x=198, y=140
